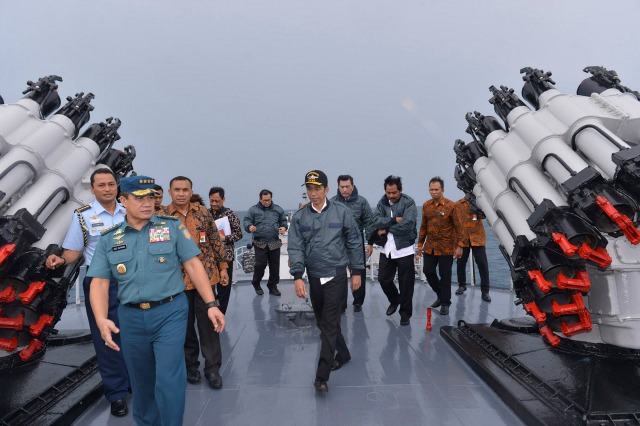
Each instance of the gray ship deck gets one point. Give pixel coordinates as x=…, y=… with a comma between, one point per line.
x=398, y=375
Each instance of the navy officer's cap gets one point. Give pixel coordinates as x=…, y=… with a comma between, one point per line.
x=138, y=186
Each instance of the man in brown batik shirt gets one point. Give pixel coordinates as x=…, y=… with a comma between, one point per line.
x=200, y=224
x=438, y=241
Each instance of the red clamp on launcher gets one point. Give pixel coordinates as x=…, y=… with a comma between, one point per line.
x=6, y=251
x=567, y=248
x=625, y=224
x=598, y=256
x=31, y=292
x=579, y=283
x=43, y=321
x=7, y=295
x=13, y=323
x=548, y=334
x=428, y=319
x=539, y=279
x=28, y=352
x=533, y=309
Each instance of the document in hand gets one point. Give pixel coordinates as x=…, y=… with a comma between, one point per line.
x=224, y=228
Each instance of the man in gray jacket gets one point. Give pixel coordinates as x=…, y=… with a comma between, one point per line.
x=266, y=221
x=362, y=214
x=396, y=234
x=324, y=240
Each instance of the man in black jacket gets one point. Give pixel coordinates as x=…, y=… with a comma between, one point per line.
x=396, y=220
x=324, y=240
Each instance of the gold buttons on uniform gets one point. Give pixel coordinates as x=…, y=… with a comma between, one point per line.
x=121, y=268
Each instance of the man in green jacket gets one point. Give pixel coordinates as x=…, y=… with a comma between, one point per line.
x=324, y=240
x=362, y=214
x=396, y=229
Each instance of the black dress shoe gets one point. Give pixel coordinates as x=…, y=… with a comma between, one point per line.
x=391, y=309
x=274, y=291
x=357, y=308
x=321, y=385
x=215, y=380
x=437, y=303
x=119, y=408
x=193, y=376
x=405, y=321
x=461, y=290
x=258, y=290
x=486, y=297
x=444, y=310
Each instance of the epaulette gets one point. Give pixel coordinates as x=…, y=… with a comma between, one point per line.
x=163, y=216
x=109, y=229
x=83, y=208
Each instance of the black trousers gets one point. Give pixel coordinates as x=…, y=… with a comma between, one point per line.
x=406, y=281
x=326, y=300
x=266, y=257
x=223, y=292
x=441, y=285
x=113, y=370
x=480, y=257
x=209, y=339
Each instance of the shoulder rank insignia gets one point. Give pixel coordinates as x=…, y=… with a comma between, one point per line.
x=83, y=208
x=163, y=216
x=107, y=230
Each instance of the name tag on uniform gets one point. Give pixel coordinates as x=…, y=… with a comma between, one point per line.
x=119, y=247
x=203, y=237
x=159, y=234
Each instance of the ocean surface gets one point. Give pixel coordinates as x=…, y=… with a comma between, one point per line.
x=498, y=269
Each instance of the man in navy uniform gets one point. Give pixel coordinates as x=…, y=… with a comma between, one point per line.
x=324, y=240
x=144, y=254
x=82, y=237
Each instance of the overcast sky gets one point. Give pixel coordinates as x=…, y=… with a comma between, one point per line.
x=251, y=95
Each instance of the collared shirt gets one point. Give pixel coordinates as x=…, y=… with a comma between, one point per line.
x=146, y=263
x=204, y=232
x=472, y=228
x=390, y=249
x=440, y=227
x=236, y=231
x=96, y=219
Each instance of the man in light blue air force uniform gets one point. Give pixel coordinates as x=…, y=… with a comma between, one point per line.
x=144, y=254
x=82, y=238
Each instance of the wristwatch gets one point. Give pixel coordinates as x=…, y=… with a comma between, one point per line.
x=214, y=304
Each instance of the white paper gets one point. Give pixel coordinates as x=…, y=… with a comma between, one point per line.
x=223, y=225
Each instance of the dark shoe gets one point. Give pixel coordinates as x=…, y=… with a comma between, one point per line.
x=119, y=408
x=258, y=290
x=321, y=385
x=436, y=304
x=337, y=365
x=405, y=322
x=357, y=308
x=193, y=376
x=215, y=381
x=444, y=310
x=486, y=297
x=274, y=291
x=461, y=290
x=391, y=309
